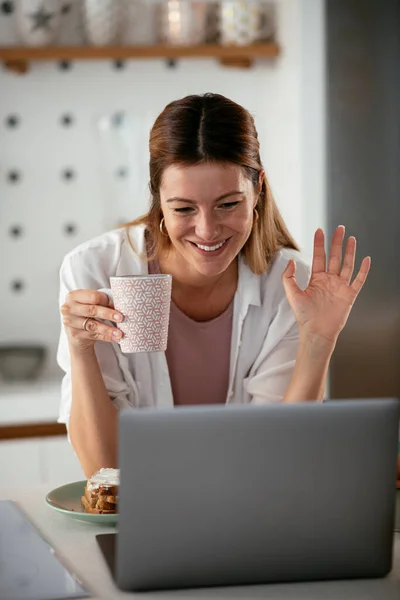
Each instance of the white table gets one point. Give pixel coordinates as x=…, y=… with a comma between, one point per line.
x=74, y=541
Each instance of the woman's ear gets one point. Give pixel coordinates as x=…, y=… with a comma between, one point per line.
x=261, y=178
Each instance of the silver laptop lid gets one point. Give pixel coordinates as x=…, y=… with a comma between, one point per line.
x=223, y=495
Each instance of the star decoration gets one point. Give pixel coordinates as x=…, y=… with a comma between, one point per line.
x=40, y=18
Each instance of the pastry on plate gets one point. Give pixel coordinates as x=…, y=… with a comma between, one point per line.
x=101, y=492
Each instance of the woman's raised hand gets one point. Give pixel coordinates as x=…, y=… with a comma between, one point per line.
x=323, y=308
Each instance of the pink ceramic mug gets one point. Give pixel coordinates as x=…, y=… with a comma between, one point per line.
x=145, y=302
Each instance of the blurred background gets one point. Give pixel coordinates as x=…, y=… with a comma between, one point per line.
x=81, y=82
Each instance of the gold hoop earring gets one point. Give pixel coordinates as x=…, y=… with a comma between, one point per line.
x=256, y=215
x=161, y=228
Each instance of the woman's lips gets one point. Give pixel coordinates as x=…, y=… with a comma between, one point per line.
x=218, y=248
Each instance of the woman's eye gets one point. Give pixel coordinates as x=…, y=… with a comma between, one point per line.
x=228, y=205
x=183, y=210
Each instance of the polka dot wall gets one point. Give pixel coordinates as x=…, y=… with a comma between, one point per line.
x=74, y=155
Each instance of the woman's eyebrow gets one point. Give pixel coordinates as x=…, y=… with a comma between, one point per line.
x=222, y=197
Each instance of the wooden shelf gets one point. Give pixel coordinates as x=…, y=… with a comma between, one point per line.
x=17, y=58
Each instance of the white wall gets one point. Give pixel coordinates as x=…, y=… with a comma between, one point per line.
x=288, y=117
x=313, y=119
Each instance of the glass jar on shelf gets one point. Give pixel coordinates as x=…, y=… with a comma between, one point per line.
x=182, y=22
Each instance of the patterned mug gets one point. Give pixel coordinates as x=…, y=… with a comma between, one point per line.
x=145, y=302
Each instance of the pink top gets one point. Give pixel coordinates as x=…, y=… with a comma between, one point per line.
x=198, y=356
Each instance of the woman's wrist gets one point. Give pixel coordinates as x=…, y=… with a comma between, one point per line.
x=82, y=354
x=316, y=346
x=312, y=363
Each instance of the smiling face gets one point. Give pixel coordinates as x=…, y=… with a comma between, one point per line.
x=208, y=212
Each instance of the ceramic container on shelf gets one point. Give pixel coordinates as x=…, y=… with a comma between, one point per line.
x=244, y=22
x=38, y=21
x=139, y=23
x=267, y=22
x=103, y=21
x=182, y=22
x=71, y=30
x=212, y=23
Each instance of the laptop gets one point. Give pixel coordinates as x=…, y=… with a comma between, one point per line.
x=242, y=494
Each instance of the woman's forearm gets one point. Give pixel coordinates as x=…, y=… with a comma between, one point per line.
x=94, y=419
x=311, y=369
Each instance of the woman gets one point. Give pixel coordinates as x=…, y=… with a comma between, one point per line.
x=243, y=328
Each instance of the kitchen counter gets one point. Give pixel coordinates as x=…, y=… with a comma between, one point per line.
x=30, y=402
x=74, y=541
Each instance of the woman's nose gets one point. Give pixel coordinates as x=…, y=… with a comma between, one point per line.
x=207, y=228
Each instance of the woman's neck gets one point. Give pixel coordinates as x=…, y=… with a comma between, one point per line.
x=199, y=296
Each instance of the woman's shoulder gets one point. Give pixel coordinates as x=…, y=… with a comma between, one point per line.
x=109, y=242
x=115, y=252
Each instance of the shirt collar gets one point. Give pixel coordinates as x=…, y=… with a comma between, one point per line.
x=249, y=285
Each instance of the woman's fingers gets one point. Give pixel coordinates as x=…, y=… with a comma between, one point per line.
x=93, y=330
x=89, y=303
x=96, y=311
x=84, y=313
x=335, y=266
x=99, y=302
x=335, y=256
x=361, y=275
x=289, y=280
x=90, y=297
x=89, y=328
x=319, y=256
x=349, y=259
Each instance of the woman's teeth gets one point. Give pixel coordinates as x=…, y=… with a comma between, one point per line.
x=211, y=248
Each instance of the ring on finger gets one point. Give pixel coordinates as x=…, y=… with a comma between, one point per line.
x=85, y=323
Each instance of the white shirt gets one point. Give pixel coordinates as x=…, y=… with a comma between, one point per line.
x=265, y=334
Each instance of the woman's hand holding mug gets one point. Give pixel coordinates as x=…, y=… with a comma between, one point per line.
x=83, y=314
